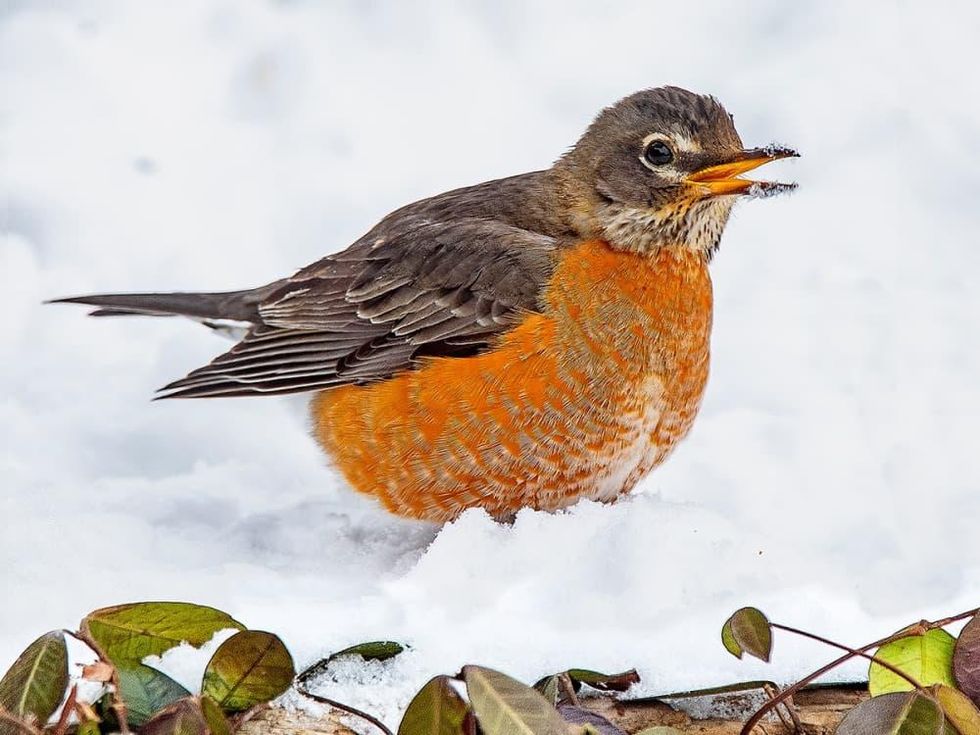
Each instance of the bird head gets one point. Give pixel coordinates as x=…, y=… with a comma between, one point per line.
x=662, y=168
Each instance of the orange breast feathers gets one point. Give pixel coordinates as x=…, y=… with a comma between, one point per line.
x=579, y=401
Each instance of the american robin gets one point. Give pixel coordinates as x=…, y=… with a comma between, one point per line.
x=524, y=342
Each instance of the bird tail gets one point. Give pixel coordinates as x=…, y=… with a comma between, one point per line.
x=241, y=306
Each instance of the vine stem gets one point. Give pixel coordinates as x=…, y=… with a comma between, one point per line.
x=851, y=653
x=345, y=708
x=118, y=705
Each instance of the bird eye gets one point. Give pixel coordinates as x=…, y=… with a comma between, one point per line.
x=658, y=153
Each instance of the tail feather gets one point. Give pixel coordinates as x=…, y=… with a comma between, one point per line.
x=241, y=306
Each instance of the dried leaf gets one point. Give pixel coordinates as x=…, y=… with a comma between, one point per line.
x=966, y=660
x=549, y=688
x=249, y=668
x=129, y=633
x=660, y=730
x=505, y=706
x=594, y=722
x=99, y=671
x=960, y=712
x=436, y=710
x=899, y=713
x=926, y=658
x=183, y=717
x=604, y=682
x=748, y=631
x=146, y=691
x=33, y=687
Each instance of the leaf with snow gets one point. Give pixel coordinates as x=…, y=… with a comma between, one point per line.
x=371, y=651
x=146, y=691
x=927, y=658
x=505, y=706
x=436, y=710
x=129, y=633
x=898, y=713
x=249, y=668
x=748, y=631
x=33, y=687
x=966, y=660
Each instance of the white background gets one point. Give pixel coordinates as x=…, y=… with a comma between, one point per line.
x=832, y=477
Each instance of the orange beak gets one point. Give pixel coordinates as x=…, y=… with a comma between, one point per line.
x=722, y=178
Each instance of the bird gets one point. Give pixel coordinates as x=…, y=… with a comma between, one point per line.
x=526, y=342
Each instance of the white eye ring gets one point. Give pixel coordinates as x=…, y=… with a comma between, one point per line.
x=657, y=153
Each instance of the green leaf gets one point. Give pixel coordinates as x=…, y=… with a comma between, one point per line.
x=966, y=660
x=88, y=727
x=183, y=717
x=371, y=651
x=604, y=682
x=436, y=710
x=729, y=642
x=748, y=631
x=146, y=691
x=927, y=658
x=129, y=633
x=505, y=706
x=214, y=717
x=960, y=712
x=249, y=668
x=899, y=713
x=33, y=687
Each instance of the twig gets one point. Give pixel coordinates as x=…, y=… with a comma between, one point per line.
x=853, y=651
x=118, y=705
x=345, y=708
x=66, y=711
x=790, y=691
x=794, y=725
x=566, y=683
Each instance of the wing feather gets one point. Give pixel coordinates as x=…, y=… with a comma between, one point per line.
x=410, y=288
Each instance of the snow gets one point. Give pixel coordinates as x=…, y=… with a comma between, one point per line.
x=831, y=479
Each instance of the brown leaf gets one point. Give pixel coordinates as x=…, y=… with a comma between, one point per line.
x=99, y=671
x=966, y=660
x=748, y=631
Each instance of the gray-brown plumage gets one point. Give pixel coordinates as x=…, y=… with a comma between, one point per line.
x=448, y=274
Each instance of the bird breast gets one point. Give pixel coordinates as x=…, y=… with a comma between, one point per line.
x=577, y=401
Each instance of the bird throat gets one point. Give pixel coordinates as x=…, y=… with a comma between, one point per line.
x=694, y=225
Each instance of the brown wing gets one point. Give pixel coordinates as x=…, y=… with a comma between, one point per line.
x=413, y=289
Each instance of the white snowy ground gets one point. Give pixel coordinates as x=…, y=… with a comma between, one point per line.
x=833, y=477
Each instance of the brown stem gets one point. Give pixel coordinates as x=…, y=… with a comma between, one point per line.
x=345, y=708
x=790, y=691
x=118, y=705
x=566, y=683
x=942, y=623
x=66, y=711
x=853, y=651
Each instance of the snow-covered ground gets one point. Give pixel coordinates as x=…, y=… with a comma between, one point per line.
x=833, y=477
